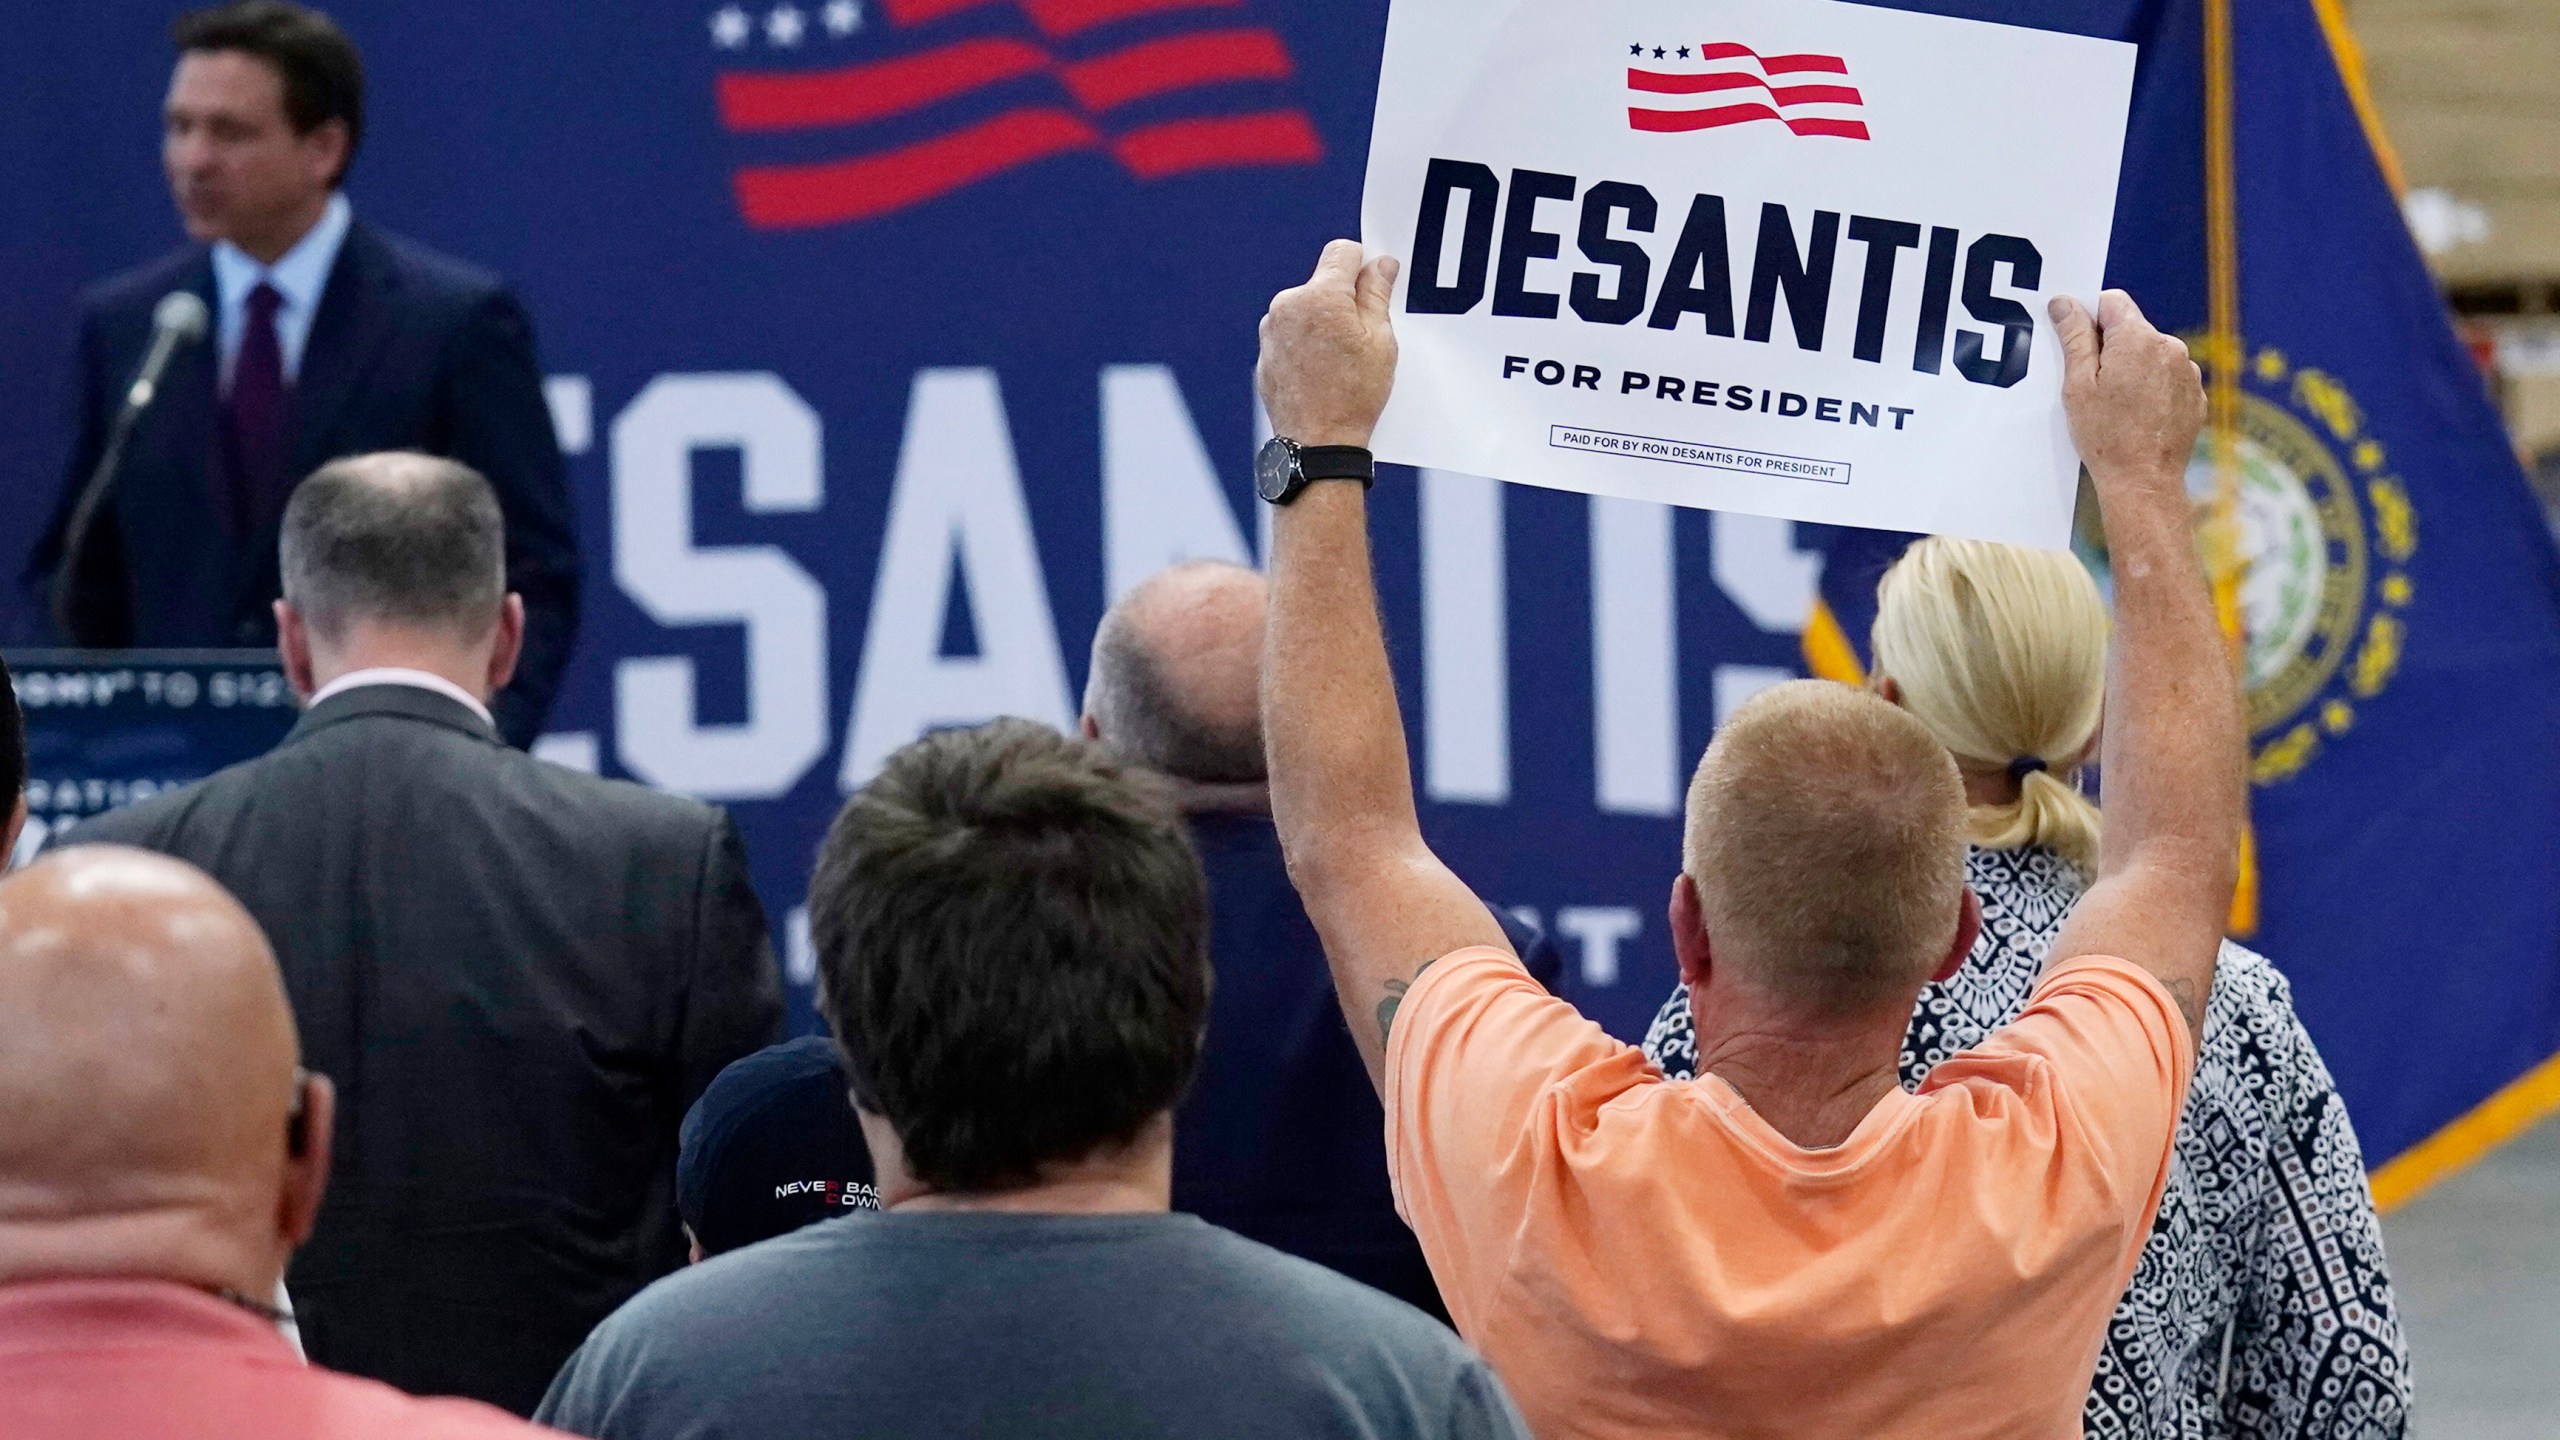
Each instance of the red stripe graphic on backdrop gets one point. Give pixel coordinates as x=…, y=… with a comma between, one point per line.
x=883, y=88
x=1671, y=122
x=1056, y=18
x=1776, y=64
x=876, y=90
x=790, y=196
x=1059, y=18
x=880, y=182
x=1655, y=83
x=1275, y=137
x=919, y=12
x=1159, y=66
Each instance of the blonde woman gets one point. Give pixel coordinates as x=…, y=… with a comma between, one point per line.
x=2261, y=1305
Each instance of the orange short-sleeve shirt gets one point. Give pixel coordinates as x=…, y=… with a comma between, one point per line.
x=1638, y=1256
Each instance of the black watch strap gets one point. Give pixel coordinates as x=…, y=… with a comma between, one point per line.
x=1337, y=462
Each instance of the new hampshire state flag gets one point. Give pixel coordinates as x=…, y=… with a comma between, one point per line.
x=2401, y=599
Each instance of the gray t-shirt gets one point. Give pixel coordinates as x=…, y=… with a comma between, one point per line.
x=1005, y=1325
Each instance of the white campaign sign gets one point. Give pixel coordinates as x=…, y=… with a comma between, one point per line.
x=1787, y=257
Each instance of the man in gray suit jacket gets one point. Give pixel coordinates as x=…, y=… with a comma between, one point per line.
x=519, y=976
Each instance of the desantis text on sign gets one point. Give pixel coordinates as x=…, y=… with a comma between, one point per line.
x=1788, y=258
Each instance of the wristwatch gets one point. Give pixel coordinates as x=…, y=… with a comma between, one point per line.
x=1285, y=468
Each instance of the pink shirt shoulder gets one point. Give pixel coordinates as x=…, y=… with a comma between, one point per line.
x=107, y=1359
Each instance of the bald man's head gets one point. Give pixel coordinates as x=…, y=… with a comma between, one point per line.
x=1826, y=842
x=1177, y=674
x=148, y=1080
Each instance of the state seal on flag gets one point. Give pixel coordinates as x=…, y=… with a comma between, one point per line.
x=2325, y=536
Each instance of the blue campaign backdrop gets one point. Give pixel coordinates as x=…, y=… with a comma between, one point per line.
x=891, y=338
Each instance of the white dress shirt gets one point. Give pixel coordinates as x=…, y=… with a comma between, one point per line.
x=399, y=675
x=299, y=275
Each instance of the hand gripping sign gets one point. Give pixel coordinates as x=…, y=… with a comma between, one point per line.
x=1788, y=257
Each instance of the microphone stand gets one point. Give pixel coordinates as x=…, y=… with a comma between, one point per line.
x=166, y=341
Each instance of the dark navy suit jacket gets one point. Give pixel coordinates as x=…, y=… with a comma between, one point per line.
x=1282, y=1139
x=408, y=351
x=520, y=977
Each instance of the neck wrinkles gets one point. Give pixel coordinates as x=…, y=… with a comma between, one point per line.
x=182, y=1243
x=1813, y=1083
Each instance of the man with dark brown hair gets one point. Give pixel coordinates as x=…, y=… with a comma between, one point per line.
x=328, y=338
x=1012, y=948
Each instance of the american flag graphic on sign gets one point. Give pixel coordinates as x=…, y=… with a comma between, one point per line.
x=1809, y=94
x=940, y=95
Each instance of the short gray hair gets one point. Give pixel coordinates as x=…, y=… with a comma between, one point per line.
x=1143, y=718
x=397, y=538
x=1177, y=673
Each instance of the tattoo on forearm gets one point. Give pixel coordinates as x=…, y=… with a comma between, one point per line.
x=2190, y=1005
x=1395, y=996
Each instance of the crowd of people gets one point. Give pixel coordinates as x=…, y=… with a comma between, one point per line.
x=400, y=1084
x=441, y=1063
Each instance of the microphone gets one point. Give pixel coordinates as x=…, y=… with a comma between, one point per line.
x=179, y=320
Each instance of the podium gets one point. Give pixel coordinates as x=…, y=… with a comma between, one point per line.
x=108, y=727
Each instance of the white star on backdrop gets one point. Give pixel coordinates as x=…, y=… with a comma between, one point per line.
x=785, y=24
x=729, y=27
x=843, y=17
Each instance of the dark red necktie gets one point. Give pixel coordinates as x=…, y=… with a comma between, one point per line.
x=253, y=417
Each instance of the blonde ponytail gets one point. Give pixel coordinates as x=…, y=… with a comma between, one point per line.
x=2001, y=653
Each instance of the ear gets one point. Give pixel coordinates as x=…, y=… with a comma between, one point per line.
x=306, y=1174
x=1089, y=727
x=1689, y=934
x=293, y=646
x=1968, y=930
x=508, y=647
x=1886, y=687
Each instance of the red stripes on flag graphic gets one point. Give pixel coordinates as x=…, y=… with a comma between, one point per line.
x=1057, y=19
x=881, y=179
x=1740, y=68
x=777, y=197
x=875, y=91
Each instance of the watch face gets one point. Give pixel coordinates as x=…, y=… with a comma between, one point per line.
x=1275, y=470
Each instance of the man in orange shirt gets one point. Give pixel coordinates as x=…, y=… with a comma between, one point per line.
x=1792, y=1245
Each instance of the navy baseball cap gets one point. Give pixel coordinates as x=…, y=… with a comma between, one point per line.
x=771, y=1146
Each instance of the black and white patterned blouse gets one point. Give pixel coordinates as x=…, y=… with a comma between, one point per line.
x=2261, y=1306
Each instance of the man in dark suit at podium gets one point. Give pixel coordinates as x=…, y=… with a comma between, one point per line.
x=519, y=976
x=328, y=338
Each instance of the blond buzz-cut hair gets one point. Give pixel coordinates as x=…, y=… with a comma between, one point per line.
x=1826, y=839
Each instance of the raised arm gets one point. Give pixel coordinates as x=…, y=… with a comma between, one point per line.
x=2173, y=741
x=1341, y=787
